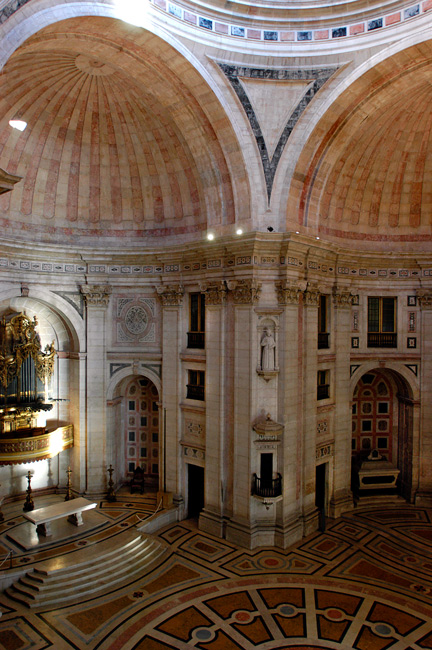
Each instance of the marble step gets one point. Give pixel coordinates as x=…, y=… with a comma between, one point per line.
x=140, y=551
x=42, y=586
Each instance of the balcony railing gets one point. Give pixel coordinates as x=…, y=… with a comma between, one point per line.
x=196, y=340
x=382, y=340
x=323, y=340
x=195, y=392
x=268, y=488
x=323, y=391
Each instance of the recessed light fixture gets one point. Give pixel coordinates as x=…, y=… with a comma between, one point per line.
x=239, y=231
x=210, y=236
x=18, y=124
x=297, y=232
x=317, y=237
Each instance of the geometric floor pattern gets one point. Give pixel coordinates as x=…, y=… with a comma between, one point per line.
x=364, y=584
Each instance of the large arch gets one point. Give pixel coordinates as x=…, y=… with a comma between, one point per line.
x=404, y=435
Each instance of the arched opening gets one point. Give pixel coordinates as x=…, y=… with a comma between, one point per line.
x=382, y=430
x=141, y=430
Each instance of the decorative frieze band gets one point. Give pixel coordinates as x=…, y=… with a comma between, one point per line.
x=215, y=292
x=96, y=295
x=245, y=291
x=170, y=295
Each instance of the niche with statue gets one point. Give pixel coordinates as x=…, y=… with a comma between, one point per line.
x=268, y=362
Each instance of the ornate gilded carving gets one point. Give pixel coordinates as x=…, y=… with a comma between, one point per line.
x=425, y=298
x=19, y=341
x=96, y=295
x=288, y=293
x=342, y=299
x=245, y=291
x=170, y=295
x=37, y=447
x=215, y=292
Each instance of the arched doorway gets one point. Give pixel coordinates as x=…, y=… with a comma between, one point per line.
x=141, y=429
x=382, y=421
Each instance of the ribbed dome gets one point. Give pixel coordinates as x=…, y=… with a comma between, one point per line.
x=108, y=143
x=370, y=177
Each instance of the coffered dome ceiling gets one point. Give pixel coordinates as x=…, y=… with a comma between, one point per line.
x=117, y=143
x=369, y=177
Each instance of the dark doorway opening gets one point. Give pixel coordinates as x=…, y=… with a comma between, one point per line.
x=320, y=494
x=195, y=490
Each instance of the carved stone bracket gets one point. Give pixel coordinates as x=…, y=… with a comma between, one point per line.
x=245, y=292
x=96, y=295
x=215, y=292
x=170, y=295
x=311, y=296
x=288, y=293
x=342, y=299
x=425, y=298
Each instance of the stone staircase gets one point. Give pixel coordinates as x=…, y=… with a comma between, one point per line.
x=84, y=573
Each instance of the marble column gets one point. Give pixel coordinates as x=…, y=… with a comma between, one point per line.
x=309, y=411
x=423, y=454
x=289, y=527
x=341, y=499
x=245, y=294
x=96, y=299
x=171, y=297
x=216, y=455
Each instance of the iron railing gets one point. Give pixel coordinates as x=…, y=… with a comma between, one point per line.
x=271, y=487
x=382, y=340
x=196, y=340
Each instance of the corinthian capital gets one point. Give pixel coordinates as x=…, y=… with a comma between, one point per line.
x=245, y=292
x=311, y=296
x=342, y=299
x=170, y=295
x=288, y=293
x=425, y=298
x=215, y=292
x=96, y=295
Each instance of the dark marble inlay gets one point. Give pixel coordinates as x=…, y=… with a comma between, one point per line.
x=375, y=24
x=339, y=32
x=411, y=11
x=10, y=9
x=234, y=73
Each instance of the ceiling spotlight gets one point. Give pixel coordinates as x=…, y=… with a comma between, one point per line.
x=239, y=231
x=317, y=238
x=297, y=232
x=210, y=236
x=18, y=124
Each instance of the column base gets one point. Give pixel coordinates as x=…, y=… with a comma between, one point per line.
x=310, y=522
x=254, y=535
x=212, y=523
x=423, y=498
x=340, y=503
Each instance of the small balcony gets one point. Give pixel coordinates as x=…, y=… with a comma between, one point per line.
x=267, y=488
x=196, y=340
x=195, y=392
x=323, y=340
x=323, y=391
x=382, y=340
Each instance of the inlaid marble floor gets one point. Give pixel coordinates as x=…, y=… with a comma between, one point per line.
x=366, y=584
